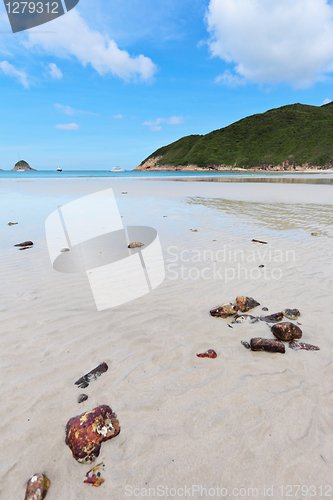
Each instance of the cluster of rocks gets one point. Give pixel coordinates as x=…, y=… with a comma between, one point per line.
x=85, y=434
x=282, y=331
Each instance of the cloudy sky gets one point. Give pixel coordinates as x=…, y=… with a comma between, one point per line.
x=111, y=81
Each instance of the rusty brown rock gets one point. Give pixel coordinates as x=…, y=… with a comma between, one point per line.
x=246, y=303
x=37, y=487
x=208, y=354
x=135, y=244
x=225, y=310
x=272, y=318
x=286, y=331
x=94, y=477
x=259, y=344
x=86, y=432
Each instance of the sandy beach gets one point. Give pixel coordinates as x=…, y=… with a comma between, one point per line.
x=244, y=425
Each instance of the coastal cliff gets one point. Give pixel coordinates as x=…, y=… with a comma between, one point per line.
x=296, y=137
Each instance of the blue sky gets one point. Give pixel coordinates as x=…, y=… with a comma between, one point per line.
x=111, y=81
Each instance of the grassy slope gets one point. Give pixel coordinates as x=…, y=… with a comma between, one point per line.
x=306, y=132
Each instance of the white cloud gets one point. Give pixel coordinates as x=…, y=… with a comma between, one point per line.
x=273, y=42
x=155, y=129
x=230, y=80
x=117, y=117
x=71, y=111
x=68, y=126
x=327, y=101
x=173, y=120
x=54, y=71
x=73, y=37
x=10, y=70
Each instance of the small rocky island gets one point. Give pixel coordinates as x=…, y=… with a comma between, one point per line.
x=22, y=165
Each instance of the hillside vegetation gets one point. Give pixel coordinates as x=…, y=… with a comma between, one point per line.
x=298, y=133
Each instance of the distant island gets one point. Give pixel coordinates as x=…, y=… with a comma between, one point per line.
x=22, y=165
x=293, y=137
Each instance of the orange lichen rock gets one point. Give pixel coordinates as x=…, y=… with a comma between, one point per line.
x=86, y=432
x=246, y=303
x=94, y=477
x=37, y=487
x=135, y=244
x=208, y=354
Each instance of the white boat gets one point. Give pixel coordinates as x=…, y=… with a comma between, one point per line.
x=59, y=169
x=117, y=169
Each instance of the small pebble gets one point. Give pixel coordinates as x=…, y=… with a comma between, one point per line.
x=261, y=265
x=64, y=250
x=82, y=397
x=265, y=308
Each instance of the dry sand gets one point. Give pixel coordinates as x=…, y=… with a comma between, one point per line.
x=243, y=420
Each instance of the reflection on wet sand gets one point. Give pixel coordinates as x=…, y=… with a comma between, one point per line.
x=281, y=180
x=310, y=218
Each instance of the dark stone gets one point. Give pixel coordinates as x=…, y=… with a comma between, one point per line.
x=259, y=344
x=272, y=318
x=86, y=432
x=245, y=344
x=24, y=244
x=258, y=241
x=291, y=313
x=82, y=397
x=287, y=331
x=301, y=345
x=12, y=223
x=84, y=381
x=265, y=309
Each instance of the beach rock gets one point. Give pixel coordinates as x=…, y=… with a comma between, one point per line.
x=194, y=230
x=37, y=487
x=245, y=344
x=82, y=397
x=86, y=432
x=65, y=249
x=94, y=477
x=84, y=381
x=225, y=310
x=24, y=244
x=265, y=309
x=287, y=331
x=12, y=223
x=291, y=313
x=301, y=345
x=261, y=265
x=135, y=244
x=245, y=317
x=246, y=303
x=208, y=354
x=272, y=318
x=258, y=241
x=24, y=248
x=259, y=344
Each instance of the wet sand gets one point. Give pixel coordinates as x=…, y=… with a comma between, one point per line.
x=243, y=420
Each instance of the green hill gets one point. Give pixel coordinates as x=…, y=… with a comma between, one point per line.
x=22, y=165
x=296, y=133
